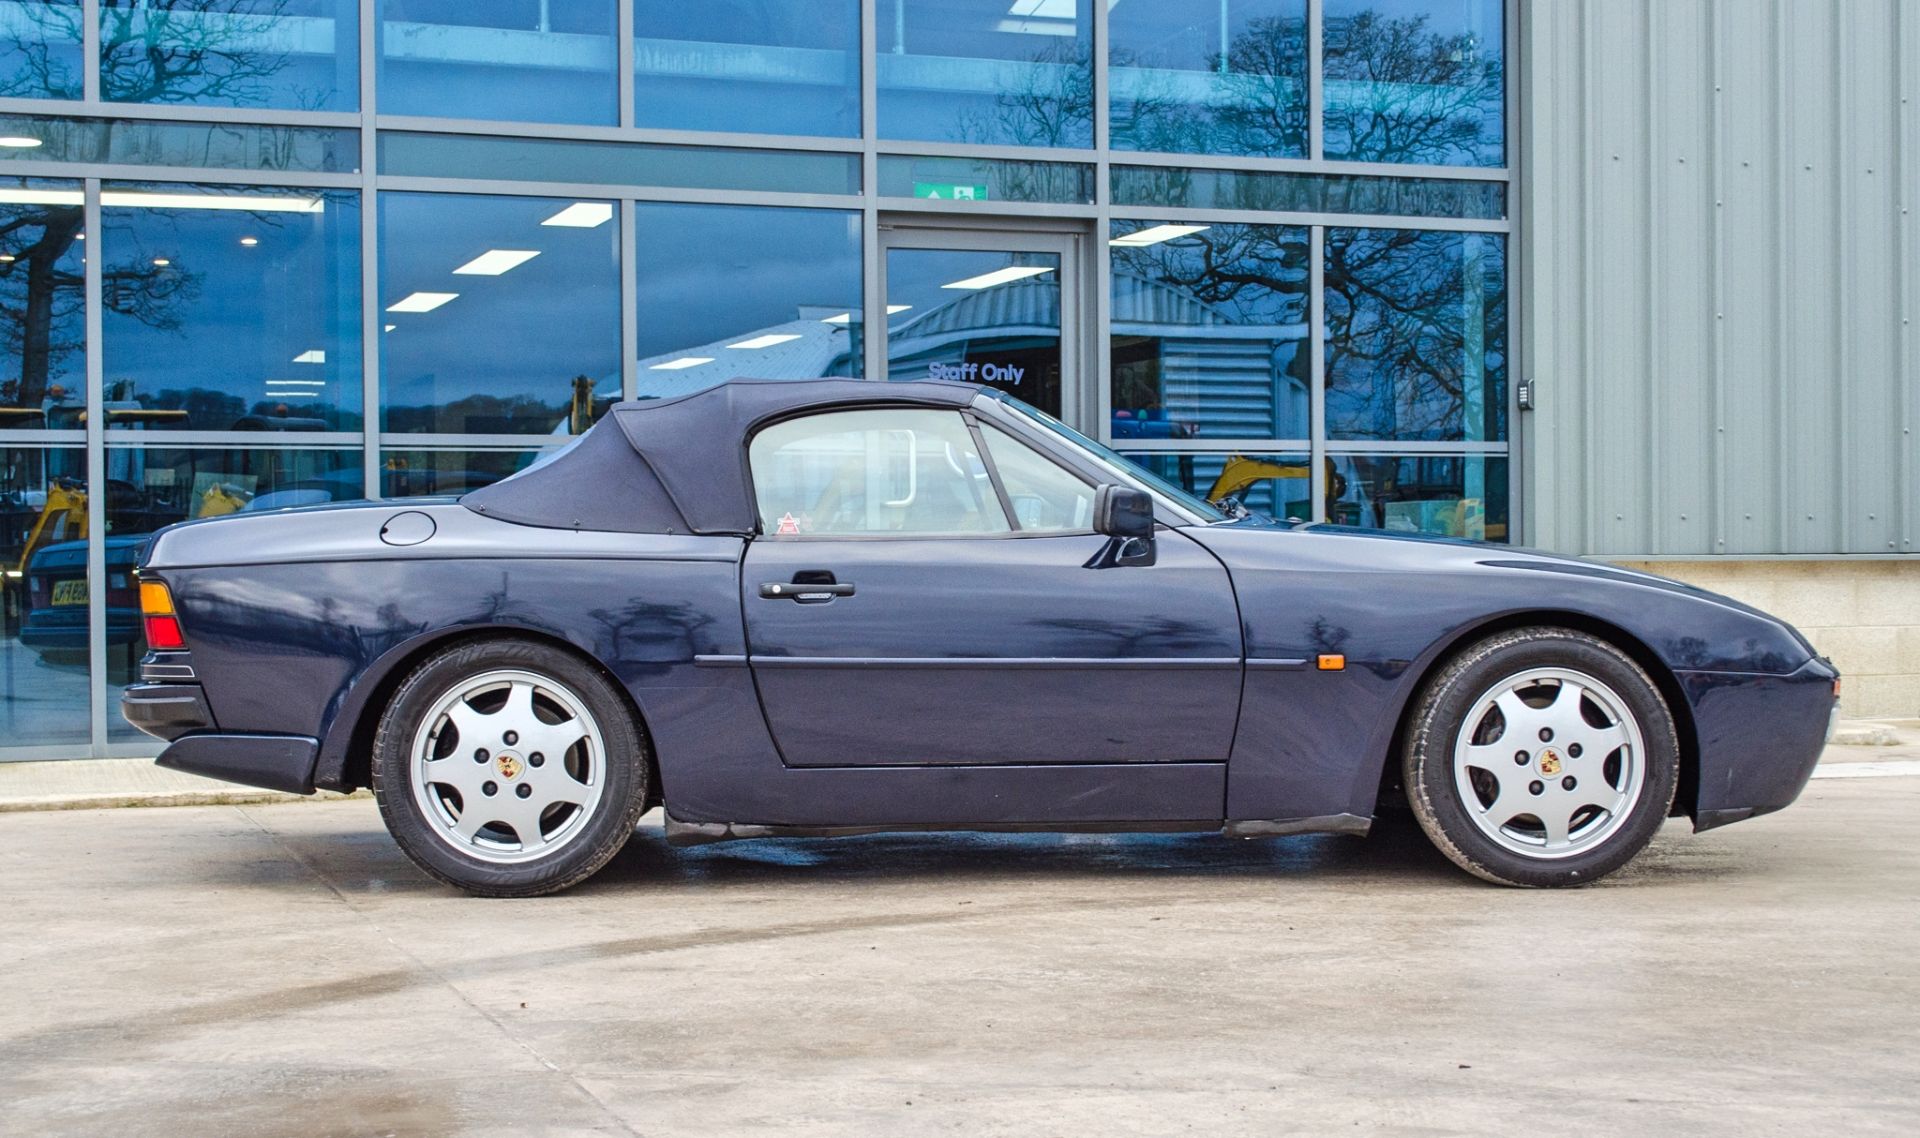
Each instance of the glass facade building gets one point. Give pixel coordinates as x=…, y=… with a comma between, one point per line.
x=266, y=253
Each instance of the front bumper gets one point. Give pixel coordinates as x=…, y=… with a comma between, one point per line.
x=179, y=714
x=1760, y=737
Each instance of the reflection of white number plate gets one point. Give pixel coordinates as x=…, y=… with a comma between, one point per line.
x=70, y=592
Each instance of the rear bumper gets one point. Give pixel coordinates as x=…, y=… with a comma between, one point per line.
x=179, y=714
x=167, y=711
x=1760, y=737
x=274, y=762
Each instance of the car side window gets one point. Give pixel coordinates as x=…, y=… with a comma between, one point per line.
x=1045, y=497
x=881, y=471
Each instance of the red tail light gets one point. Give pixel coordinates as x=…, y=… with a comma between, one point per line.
x=156, y=610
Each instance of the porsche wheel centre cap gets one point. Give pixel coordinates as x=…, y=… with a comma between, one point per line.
x=1549, y=762
x=508, y=764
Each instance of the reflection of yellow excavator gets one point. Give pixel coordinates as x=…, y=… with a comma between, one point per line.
x=62, y=518
x=1241, y=472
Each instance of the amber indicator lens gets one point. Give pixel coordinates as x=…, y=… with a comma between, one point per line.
x=156, y=610
x=1332, y=662
x=155, y=600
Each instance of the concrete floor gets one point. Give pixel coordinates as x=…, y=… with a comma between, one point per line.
x=281, y=969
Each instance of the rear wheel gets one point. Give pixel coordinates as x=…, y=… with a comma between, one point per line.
x=1541, y=756
x=509, y=768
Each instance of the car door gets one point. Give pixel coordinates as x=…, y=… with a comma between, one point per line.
x=922, y=593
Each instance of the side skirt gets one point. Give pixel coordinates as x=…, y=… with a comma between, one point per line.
x=706, y=833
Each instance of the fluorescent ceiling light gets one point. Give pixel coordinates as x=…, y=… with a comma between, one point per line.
x=249, y=242
x=582, y=215
x=19, y=141
x=1156, y=235
x=20, y=195
x=766, y=341
x=294, y=394
x=162, y=262
x=390, y=327
x=421, y=301
x=1045, y=9
x=847, y=317
x=682, y=362
x=493, y=262
x=1000, y=276
x=248, y=203
x=311, y=356
x=296, y=383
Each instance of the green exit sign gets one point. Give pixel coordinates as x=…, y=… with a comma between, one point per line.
x=949, y=191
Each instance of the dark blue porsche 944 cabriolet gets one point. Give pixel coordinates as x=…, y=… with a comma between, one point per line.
x=831, y=607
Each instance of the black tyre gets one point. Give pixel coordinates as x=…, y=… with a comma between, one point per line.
x=509, y=768
x=1541, y=756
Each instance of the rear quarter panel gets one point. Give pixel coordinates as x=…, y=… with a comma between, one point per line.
x=301, y=638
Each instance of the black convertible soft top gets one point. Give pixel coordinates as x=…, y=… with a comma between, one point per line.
x=679, y=465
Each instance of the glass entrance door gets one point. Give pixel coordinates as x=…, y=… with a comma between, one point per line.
x=993, y=308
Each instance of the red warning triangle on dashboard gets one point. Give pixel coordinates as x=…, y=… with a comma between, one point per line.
x=788, y=524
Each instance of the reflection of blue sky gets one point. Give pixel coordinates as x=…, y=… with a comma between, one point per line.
x=525, y=333
x=252, y=309
x=707, y=273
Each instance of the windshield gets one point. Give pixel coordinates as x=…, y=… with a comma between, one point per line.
x=1116, y=462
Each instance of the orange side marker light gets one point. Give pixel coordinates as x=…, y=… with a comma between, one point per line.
x=1332, y=662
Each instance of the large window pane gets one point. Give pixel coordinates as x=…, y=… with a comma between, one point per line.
x=1209, y=331
x=43, y=327
x=1416, y=335
x=514, y=60
x=43, y=571
x=231, y=308
x=1277, y=485
x=1416, y=81
x=40, y=49
x=150, y=488
x=755, y=66
x=1210, y=77
x=1454, y=495
x=297, y=54
x=502, y=314
x=981, y=71
x=739, y=290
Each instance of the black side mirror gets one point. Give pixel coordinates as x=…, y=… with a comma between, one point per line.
x=1122, y=511
x=1125, y=515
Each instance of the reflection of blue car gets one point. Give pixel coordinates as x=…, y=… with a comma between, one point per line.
x=56, y=616
x=1149, y=424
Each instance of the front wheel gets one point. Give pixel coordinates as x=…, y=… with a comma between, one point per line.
x=509, y=768
x=1541, y=756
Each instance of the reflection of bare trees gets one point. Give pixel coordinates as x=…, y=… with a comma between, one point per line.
x=1416, y=334
x=188, y=51
x=1251, y=275
x=1401, y=92
x=46, y=34
x=1052, y=105
x=42, y=293
x=1258, y=103
x=1397, y=91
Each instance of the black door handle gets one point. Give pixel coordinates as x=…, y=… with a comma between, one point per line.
x=805, y=593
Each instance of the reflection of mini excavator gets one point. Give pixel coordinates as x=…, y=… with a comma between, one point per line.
x=62, y=518
x=1241, y=472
